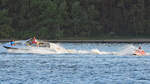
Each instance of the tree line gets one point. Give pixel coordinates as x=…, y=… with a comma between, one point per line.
x=60, y=19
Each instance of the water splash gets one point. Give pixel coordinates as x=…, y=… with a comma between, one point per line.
x=96, y=51
x=127, y=50
x=2, y=49
x=56, y=48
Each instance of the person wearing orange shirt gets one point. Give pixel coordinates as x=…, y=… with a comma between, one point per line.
x=139, y=51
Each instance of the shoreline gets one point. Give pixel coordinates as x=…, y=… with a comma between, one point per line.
x=97, y=41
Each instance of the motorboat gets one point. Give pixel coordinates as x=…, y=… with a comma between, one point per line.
x=24, y=44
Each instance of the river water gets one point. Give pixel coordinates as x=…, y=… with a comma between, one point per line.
x=76, y=63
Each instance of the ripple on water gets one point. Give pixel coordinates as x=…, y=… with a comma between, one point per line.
x=18, y=68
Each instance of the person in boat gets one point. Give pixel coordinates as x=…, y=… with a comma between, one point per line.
x=12, y=43
x=140, y=51
x=35, y=42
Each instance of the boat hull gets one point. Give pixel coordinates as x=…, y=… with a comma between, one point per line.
x=9, y=47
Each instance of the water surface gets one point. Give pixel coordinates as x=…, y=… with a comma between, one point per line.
x=76, y=63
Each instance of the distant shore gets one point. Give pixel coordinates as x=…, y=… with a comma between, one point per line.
x=97, y=41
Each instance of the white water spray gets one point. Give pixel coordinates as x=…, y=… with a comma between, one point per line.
x=58, y=49
x=127, y=50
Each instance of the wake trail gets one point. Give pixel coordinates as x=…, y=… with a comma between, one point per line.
x=58, y=49
x=127, y=50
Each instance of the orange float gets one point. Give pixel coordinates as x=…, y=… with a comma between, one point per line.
x=139, y=52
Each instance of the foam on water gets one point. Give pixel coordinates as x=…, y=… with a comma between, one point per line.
x=96, y=51
x=89, y=64
x=58, y=49
x=54, y=49
x=127, y=50
x=2, y=49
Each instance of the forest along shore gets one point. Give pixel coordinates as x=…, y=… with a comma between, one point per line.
x=97, y=41
x=74, y=18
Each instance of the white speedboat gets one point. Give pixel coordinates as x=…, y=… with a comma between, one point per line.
x=26, y=44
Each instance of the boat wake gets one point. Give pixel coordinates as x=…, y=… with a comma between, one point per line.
x=58, y=49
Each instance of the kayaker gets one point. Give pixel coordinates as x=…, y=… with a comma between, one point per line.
x=12, y=42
